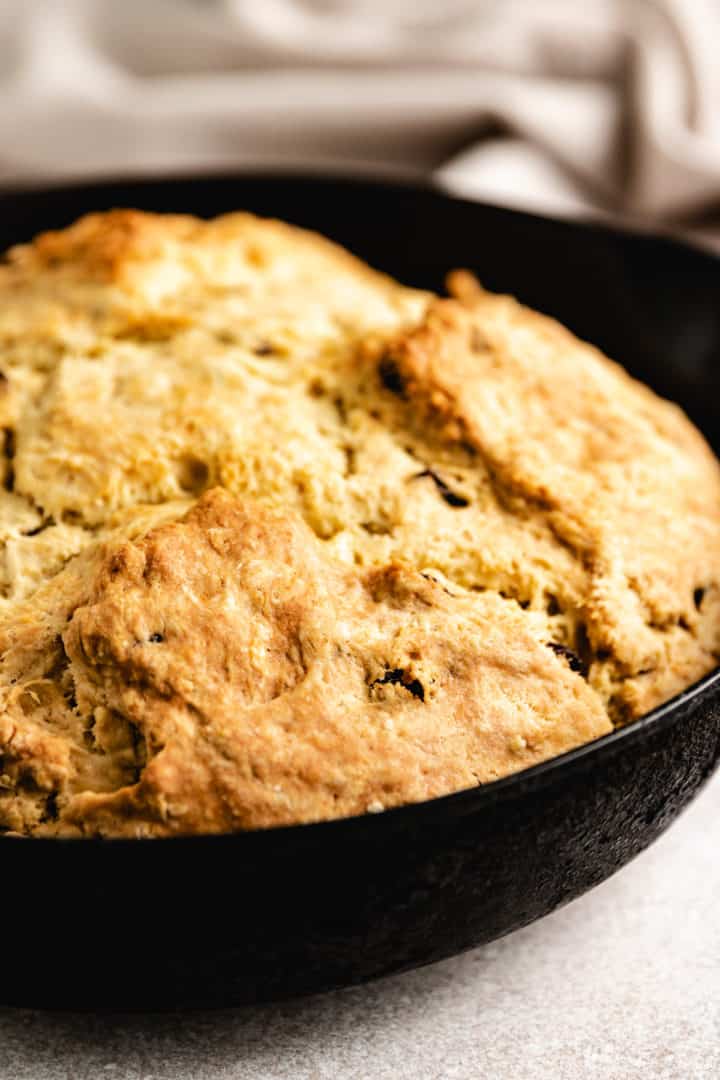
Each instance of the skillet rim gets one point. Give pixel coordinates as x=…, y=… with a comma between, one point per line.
x=467, y=800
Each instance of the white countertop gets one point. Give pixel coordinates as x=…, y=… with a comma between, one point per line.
x=622, y=984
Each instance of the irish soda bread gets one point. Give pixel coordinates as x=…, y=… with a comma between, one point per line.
x=284, y=540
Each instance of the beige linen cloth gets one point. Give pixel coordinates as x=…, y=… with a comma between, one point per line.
x=578, y=107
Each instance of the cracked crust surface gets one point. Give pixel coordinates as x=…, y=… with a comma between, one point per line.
x=282, y=540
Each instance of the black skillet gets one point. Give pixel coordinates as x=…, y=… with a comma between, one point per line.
x=214, y=921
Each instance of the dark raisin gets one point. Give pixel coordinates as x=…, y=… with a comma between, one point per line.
x=400, y=676
x=698, y=597
x=156, y=639
x=39, y=528
x=391, y=376
x=452, y=498
x=9, y=451
x=51, y=807
x=573, y=660
x=416, y=688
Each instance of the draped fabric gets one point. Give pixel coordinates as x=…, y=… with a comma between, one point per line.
x=605, y=107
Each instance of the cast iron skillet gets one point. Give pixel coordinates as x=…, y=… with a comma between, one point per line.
x=221, y=920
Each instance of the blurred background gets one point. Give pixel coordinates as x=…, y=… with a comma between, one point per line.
x=593, y=108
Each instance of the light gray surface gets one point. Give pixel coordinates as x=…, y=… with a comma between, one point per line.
x=622, y=984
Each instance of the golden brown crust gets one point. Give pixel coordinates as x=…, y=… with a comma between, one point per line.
x=441, y=543
x=617, y=476
x=252, y=680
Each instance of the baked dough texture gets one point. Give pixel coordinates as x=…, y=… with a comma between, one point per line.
x=282, y=540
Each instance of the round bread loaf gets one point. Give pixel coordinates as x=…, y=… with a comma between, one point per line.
x=282, y=540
